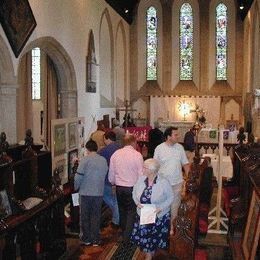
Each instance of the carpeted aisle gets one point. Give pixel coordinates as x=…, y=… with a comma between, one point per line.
x=119, y=251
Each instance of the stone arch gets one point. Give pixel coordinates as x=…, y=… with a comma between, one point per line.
x=229, y=104
x=140, y=68
x=6, y=65
x=106, y=85
x=120, y=60
x=8, y=86
x=178, y=84
x=91, y=64
x=65, y=73
x=229, y=84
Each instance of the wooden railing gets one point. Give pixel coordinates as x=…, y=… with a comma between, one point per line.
x=142, y=144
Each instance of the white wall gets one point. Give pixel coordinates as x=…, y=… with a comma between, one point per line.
x=69, y=22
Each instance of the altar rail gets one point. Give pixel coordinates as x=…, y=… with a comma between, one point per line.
x=207, y=147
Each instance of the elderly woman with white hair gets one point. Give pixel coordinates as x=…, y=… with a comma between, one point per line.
x=152, y=189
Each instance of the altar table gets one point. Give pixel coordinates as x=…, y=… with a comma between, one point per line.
x=227, y=165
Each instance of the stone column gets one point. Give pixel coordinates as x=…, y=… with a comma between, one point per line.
x=8, y=111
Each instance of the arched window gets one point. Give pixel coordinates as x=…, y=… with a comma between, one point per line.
x=186, y=42
x=221, y=42
x=151, y=44
x=36, y=73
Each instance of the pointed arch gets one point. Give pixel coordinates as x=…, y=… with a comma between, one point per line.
x=151, y=43
x=106, y=61
x=186, y=42
x=120, y=64
x=231, y=39
x=91, y=65
x=221, y=42
x=8, y=86
x=6, y=65
x=194, y=79
x=142, y=42
x=60, y=89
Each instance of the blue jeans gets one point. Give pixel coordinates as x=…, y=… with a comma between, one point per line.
x=90, y=215
x=111, y=201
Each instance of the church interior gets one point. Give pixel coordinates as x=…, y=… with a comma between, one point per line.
x=68, y=66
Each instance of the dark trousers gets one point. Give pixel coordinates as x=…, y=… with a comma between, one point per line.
x=90, y=215
x=127, y=210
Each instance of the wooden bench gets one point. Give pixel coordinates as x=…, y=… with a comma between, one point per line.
x=37, y=232
x=198, y=192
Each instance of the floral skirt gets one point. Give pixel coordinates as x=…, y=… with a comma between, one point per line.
x=149, y=237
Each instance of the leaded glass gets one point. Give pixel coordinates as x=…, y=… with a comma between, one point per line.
x=186, y=42
x=36, y=73
x=151, y=43
x=221, y=42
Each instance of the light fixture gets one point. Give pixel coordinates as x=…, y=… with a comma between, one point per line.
x=126, y=11
x=241, y=7
x=184, y=109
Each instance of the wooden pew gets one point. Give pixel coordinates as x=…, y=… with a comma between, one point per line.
x=183, y=243
x=38, y=232
x=246, y=162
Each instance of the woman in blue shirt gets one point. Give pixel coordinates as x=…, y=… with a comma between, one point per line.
x=152, y=189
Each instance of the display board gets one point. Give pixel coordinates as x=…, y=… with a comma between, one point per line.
x=67, y=139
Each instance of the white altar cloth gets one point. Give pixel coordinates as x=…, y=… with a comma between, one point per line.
x=227, y=165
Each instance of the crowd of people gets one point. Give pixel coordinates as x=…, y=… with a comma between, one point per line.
x=114, y=171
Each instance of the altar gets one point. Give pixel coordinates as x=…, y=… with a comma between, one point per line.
x=184, y=109
x=227, y=165
x=183, y=127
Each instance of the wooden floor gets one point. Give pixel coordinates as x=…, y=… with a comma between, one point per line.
x=217, y=247
x=109, y=237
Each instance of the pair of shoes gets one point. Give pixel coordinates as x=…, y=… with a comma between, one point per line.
x=85, y=243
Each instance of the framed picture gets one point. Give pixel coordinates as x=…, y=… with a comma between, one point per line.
x=232, y=125
x=72, y=156
x=73, y=134
x=5, y=207
x=213, y=134
x=252, y=231
x=18, y=23
x=63, y=174
x=225, y=134
x=59, y=139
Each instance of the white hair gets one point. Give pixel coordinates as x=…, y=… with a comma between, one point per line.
x=152, y=164
x=116, y=122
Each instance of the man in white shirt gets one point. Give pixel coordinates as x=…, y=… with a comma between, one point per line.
x=172, y=158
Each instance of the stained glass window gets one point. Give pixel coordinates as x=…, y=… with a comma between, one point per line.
x=186, y=42
x=151, y=43
x=36, y=73
x=221, y=42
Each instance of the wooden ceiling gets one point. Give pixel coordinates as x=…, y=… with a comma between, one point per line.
x=126, y=8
